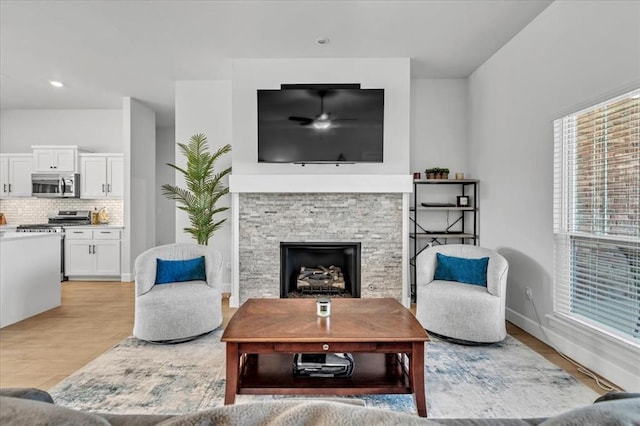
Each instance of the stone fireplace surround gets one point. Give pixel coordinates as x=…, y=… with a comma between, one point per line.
x=374, y=214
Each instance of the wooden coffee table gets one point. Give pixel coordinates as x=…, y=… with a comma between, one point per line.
x=386, y=340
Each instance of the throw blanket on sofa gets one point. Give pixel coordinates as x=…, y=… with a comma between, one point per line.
x=17, y=411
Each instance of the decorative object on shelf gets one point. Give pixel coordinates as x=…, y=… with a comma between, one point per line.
x=416, y=175
x=103, y=218
x=323, y=365
x=204, y=187
x=459, y=175
x=437, y=173
x=3, y=219
x=462, y=201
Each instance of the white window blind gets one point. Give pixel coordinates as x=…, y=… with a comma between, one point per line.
x=597, y=216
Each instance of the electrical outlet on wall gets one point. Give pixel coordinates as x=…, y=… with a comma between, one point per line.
x=528, y=292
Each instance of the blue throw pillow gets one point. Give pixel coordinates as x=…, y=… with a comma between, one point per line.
x=469, y=271
x=171, y=271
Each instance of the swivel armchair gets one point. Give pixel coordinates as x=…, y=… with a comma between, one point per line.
x=177, y=311
x=464, y=312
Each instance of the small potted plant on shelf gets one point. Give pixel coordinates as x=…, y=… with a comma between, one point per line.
x=437, y=173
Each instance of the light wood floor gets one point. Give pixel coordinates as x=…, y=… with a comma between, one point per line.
x=42, y=350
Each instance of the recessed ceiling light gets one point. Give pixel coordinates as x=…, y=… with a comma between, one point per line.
x=56, y=83
x=322, y=40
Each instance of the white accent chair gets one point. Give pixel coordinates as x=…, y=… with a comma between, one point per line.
x=465, y=312
x=180, y=311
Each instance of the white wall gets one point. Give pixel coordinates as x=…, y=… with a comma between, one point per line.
x=438, y=125
x=139, y=135
x=438, y=139
x=435, y=108
x=98, y=130
x=165, y=208
x=205, y=107
x=391, y=74
x=572, y=54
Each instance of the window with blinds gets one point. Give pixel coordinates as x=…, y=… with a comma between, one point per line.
x=597, y=216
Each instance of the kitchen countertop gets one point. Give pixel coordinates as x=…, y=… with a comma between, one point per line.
x=11, y=236
x=4, y=229
x=108, y=226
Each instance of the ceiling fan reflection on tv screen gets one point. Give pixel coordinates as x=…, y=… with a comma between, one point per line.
x=324, y=119
x=320, y=123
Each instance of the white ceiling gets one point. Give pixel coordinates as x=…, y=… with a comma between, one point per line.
x=106, y=50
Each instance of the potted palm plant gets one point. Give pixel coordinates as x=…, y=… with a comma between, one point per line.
x=204, y=188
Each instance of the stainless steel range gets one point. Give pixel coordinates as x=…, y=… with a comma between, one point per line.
x=57, y=222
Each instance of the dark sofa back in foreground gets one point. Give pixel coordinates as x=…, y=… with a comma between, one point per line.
x=29, y=406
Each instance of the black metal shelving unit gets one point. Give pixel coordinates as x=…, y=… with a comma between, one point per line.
x=462, y=230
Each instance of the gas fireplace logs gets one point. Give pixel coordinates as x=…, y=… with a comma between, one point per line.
x=320, y=279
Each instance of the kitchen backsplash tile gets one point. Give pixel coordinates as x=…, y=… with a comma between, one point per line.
x=21, y=211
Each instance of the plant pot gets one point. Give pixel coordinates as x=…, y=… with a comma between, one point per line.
x=438, y=175
x=445, y=176
x=431, y=175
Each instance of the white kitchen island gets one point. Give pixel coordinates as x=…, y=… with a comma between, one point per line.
x=29, y=275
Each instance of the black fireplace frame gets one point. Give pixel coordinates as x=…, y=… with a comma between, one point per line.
x=352, y=255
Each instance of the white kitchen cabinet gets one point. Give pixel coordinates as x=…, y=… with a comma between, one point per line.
x=92, y=253
x=101, y=176
x=78, y=257
x=115, y=175
x=107, y=257
x=15, y=175
x=54, y=160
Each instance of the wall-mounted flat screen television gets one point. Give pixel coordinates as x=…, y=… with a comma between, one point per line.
x=320, y=124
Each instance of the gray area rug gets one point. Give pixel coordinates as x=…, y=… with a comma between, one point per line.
x=502, y=380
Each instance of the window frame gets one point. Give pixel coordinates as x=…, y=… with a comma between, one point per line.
x=566, y=236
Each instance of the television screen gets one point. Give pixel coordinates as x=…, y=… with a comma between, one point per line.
x=320, y=124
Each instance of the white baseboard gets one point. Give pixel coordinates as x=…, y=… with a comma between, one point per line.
x=614, y=361
x=234, y=302
x=94, y=278
x=527, y=324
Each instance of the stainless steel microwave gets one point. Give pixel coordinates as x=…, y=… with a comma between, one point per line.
x=54, y=185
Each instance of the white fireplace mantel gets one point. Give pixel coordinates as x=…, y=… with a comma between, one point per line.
x=288, y=183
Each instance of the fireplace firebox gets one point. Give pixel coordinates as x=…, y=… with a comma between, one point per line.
x=319, y=268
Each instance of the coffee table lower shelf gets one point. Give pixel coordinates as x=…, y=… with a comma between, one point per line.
x=373, y=373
